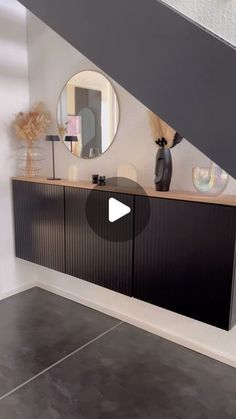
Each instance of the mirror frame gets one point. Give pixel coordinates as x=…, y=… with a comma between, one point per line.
x=118, y=112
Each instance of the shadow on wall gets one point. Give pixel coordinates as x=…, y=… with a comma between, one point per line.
x=11, y=28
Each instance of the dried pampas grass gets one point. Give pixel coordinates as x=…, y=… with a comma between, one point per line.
x=31, y=126
x=162, y=133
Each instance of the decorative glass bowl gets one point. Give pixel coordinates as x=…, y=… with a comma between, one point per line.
x=210, y=180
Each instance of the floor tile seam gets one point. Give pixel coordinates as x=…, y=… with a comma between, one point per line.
x=60, y=361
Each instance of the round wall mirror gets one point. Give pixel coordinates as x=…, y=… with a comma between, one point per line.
x=88, y=114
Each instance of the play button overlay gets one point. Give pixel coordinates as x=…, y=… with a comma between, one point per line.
x=111, y=210
x=117, y=210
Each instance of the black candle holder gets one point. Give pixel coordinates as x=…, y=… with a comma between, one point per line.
x=102, y=181
x=95, y=179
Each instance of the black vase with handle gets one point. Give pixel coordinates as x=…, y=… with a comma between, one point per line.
x=163, y=170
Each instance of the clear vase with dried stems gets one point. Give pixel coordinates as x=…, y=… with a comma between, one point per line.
x=34, y=156
x=31, y=127
x=29, y=158
x=29, y=161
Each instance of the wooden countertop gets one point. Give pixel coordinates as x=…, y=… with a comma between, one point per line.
x=229, y=200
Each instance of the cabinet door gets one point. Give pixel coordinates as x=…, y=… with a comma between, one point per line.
x=39, y=224
x=183, y=260
x=91, y=257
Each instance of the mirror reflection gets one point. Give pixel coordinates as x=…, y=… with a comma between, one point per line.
x=88, y=114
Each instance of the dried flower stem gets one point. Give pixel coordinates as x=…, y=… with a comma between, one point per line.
x=160, y=129
x=31, y=126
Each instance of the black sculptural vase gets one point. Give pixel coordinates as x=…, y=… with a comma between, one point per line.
x=163, y=171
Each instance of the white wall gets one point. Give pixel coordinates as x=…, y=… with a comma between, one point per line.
x=13, y=98
x=52, y=62
x=219, y=16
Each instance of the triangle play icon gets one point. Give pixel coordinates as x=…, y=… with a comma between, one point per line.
x=117, y=210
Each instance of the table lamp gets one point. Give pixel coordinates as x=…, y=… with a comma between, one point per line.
x=71, y=139
x=53, y=139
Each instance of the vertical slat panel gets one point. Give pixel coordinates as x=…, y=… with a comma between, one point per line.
x=89, y=256
x=39, y=223
x=183, y=260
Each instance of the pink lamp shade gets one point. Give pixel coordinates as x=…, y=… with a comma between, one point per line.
x=74, y=125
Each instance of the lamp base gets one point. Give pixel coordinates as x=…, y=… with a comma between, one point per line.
x=54, y=178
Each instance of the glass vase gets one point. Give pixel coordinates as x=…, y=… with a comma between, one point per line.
x=210, y=180
x=29, y=159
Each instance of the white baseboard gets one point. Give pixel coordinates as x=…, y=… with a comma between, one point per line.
x=188, y=343
x=17, y=290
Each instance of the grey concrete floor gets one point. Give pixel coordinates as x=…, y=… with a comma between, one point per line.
x=61, y=360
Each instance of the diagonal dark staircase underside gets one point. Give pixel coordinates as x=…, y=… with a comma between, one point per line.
x=177, y=69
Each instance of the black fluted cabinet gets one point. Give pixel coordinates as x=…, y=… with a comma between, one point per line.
x=184, y=259
x=107, y=263
x=39, y=223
